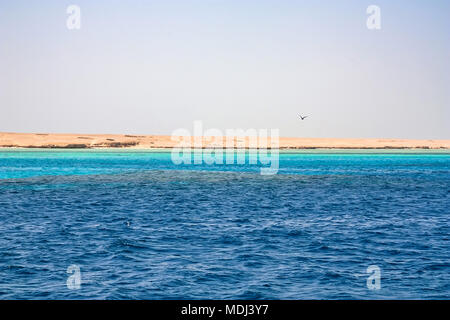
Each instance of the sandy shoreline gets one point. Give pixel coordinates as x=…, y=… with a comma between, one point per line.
x=94, y=141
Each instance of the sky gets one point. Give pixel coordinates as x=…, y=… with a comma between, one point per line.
x=151, y=67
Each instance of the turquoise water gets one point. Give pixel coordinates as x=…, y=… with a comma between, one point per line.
x=31, y=162
x=140, y=227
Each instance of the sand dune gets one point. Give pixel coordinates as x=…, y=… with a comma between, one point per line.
x=51, y=140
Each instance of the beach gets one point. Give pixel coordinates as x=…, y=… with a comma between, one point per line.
x=94, y=141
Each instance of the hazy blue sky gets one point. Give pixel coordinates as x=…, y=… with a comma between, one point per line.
x=150, y=67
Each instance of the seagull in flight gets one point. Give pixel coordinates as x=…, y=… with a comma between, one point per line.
x=303, y=118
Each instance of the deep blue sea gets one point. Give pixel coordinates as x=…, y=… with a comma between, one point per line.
x=140, y=227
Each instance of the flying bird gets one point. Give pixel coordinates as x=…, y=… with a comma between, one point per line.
x=303, y=118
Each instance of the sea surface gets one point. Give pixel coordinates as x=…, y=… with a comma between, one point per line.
x=137, y=226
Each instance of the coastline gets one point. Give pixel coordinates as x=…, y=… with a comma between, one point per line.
x=161, y=143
